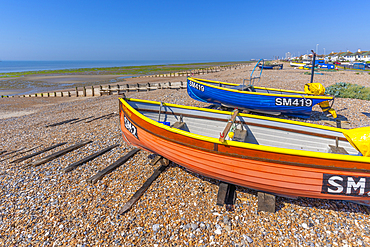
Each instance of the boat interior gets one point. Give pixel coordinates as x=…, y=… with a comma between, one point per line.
x=250, y=88
x=248, y=129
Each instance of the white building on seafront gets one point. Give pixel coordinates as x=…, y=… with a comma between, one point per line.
x=359, y=56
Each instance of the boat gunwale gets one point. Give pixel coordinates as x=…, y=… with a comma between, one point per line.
x=308, y=95
x=248, y=124
x=272, y=119
x=277, y=150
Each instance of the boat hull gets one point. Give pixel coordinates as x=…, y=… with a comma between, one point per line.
x=278, y=101
x=277, y=173
x=274, y=66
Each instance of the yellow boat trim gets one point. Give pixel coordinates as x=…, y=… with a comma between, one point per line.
x=330, y=156
x=265, y=88
x=296, y=64
x=267, y=94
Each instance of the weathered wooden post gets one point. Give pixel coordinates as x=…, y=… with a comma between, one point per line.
x=169, y=85
x=148, y=87
x=84, y=91
x=61, y=94
x=48, y=94
x=101, y=89
x=76, y=92
x=127, y=88
x=55, y=94
x=92, y=91
x=69, y=94
x=138, y=87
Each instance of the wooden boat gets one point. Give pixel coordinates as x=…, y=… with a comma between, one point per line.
x=271, y=66
x=296, y=64
x=257, y=99
x=277, y=156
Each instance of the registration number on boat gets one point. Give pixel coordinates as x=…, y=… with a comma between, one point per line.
x=196, y=86
x=130, y=127
x=346, y=185
x=293, y=102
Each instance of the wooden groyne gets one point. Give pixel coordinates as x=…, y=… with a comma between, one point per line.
x=100, y=90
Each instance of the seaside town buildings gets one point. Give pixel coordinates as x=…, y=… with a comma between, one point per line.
x=358, y=56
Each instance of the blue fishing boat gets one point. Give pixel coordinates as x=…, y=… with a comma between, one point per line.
x=322, y=64
x=271, y=66
x=261, y=99
x=258, y=99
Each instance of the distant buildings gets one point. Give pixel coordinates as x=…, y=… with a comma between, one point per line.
x=349, y=56
x=288, y=55
x=359, y=56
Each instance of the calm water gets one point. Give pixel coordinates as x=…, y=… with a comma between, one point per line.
x=19, y=66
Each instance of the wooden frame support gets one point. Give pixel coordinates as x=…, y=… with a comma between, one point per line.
x=112, y=167
x=266, y=202
x=16, y=154
x=60, y=123
x=57, y=154
x=164, y=163
x=104, y=116
x=226, y=195
x=88, y=158
x=12, y=152
x=37, y=153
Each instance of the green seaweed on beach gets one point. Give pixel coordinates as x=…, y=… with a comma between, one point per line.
x=124, y=70
x=348, y=90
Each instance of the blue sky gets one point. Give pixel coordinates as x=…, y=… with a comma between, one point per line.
x=179, y=30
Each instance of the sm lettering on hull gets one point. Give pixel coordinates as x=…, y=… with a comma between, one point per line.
x=130, y=127
x=346, y=185
x=293, y=102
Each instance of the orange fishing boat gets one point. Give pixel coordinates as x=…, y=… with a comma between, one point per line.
x=277, y=156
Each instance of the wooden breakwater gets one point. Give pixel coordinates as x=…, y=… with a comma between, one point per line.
x=109, y=89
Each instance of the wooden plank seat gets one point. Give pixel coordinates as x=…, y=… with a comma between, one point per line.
x=248, y=88
x=180, y=125
x=240, y=135
x=337, y=150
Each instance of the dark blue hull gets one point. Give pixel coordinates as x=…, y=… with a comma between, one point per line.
x=276, y=102
x=274, y=66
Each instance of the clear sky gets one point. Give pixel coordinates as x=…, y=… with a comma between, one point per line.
x=179, y=30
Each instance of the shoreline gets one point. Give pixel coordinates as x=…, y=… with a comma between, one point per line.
x=40, y=81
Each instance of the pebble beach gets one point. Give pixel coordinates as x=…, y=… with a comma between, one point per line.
x=45, y=206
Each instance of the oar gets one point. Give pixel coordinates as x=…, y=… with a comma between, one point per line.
x=228, y=126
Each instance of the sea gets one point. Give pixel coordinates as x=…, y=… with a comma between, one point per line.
x=20, y=66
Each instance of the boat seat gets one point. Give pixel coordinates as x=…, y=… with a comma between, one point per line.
x=180, y=125
x=337, y=150
x=240, y=135
x=249, y=88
